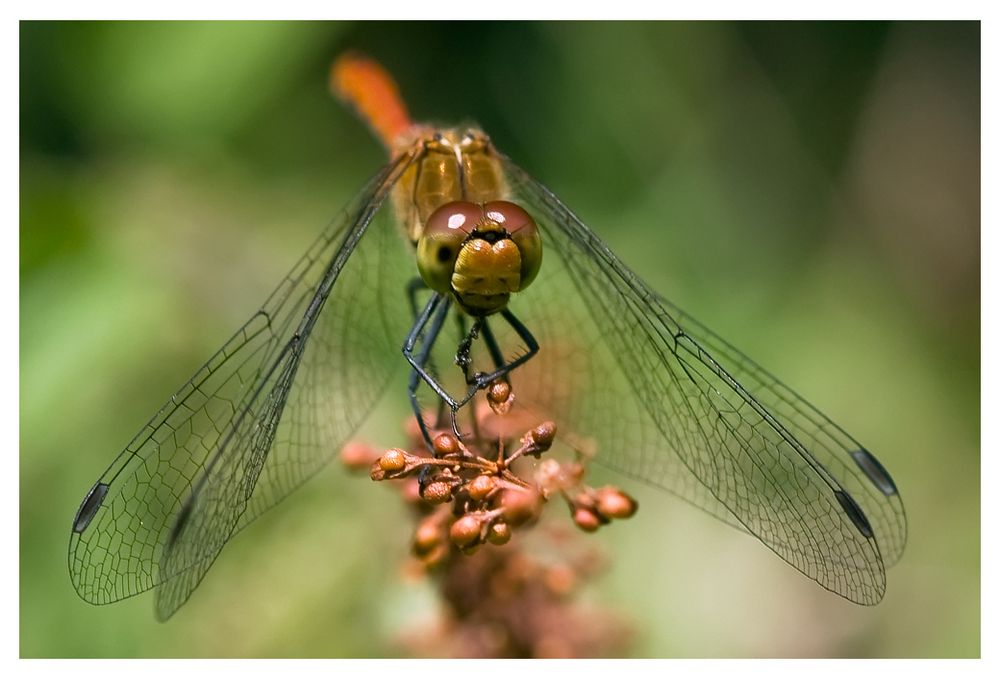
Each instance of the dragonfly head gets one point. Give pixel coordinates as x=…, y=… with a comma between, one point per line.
x=480, y=253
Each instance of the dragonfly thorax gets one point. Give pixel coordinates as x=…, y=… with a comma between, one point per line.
x=480, y=253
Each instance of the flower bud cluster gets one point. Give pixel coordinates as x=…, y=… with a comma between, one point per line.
x=469, y=496
x=478, y=492
x=482, y=501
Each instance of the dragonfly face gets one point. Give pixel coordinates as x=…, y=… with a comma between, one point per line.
x=470, y=244
x=664, y=399
x=480, y=253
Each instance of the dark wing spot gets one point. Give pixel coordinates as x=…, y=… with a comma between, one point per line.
x=180, y=523
x=870, y=465
x=444, y=254
x=89, y=507
x=854, y=511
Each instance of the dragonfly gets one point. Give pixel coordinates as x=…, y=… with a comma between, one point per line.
x=442, y=246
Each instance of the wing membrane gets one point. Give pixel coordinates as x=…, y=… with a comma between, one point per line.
x=826, y=441
x=668, y=402
x=672, y=404
x=257, y=420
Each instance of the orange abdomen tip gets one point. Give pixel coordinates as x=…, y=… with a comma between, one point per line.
x=362, y=83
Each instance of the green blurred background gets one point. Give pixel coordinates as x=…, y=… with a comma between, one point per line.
x=810, y=191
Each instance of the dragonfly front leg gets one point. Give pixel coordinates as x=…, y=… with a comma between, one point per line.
x=413, y=287
x=431, y=318
x=482, y=380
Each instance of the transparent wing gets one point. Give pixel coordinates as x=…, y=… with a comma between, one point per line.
x=670, y=403
x=850, y=463
x=258, y=419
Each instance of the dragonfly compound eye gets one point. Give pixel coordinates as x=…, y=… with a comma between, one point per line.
x=445, y=232
x=523, y=231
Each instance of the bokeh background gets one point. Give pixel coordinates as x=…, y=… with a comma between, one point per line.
x=810, y=191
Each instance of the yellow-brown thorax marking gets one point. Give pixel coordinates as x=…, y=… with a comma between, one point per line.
x=456, y=165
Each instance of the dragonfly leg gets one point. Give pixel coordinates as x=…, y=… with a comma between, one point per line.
x=491, y=344
x=482, y=380
x=413, y=286
x=432, y=319
x=463, y=356
x=463, y=359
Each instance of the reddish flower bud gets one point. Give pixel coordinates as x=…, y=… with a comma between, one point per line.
x=480, y=487
x=499, y=533
x=499, y=396
x=544, y=434
x=520, y=505
x=586, y=519
x=427, y=537
x=445, y=444
x=436, y=492
x=392, y=460
x=465, y=531
x=613, y=503
x=357, y=455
